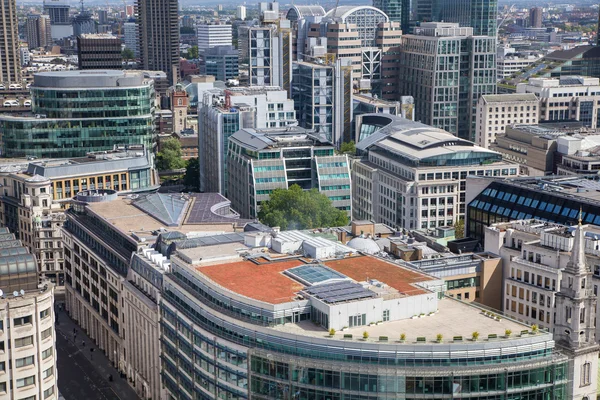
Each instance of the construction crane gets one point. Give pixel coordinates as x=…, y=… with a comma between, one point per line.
x=506, y=16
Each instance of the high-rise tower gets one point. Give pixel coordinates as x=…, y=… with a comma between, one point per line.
x=575, y=330
x=10, y=66
x=397, y=11
x=159, y=36
x=481, y=15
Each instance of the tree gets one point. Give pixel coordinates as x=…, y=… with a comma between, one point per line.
x=187, y=30
x=128, y=54
x=459, y=229
x=192, y=53
x=295, y=208
x=348, y=147
x=169, y=156
x=191, y=180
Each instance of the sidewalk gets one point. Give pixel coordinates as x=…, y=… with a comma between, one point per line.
x=97, y=360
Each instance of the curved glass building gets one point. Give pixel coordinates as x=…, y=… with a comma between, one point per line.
x=271, y=325
x=77, y=112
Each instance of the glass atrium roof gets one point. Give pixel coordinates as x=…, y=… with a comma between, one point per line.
x=168, y=209
x=314, y=274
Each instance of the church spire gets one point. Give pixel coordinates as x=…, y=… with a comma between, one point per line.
x=576, y=264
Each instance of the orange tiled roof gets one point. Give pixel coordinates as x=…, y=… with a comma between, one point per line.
x=264, y=282
x=363, y=268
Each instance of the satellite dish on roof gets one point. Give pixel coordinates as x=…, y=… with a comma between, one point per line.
x=15, y=293
x=22, y=292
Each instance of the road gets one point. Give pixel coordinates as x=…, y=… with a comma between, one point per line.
x=83, y=374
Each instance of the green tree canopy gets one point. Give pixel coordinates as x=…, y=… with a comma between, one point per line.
x=128, y=54
x=348, y=147
x=191, y=180
x=459, y=229
x=192, y=53
x=295, y=208
x=169, y=156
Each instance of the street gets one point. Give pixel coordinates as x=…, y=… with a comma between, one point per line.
x=83, y=374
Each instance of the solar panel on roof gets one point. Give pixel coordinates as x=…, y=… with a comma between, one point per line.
x=337, y=292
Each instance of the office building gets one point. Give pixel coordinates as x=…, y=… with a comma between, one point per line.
x=468, y=277
x=481, y=15
x=433, y=78
x=10, y=67
x=213, y=34
x=261, y=48
x=36, y=194
x=535, y=17
x=66, y=124
x=27, y=318
x=323, y=98
x=496, y=112
x=240, y=12
x=222, y=62
x=512, y=64
x=581, y=61
x=550, y=272
x=25, y=56
x=262, y=160
x=131, y=38
x=532, y=147
x=99, y=51
x=567, y=98
x=221, y=113
x=373, y=52
x=413, y=176
x=158, y=37
x=105, y=238
x=578, y=154
x=83, y=23
x=102, y=17
x=301, y=17
x=38, y=31
x=364, y=104
x=57, y=11
x=274, y=341
x=553, y=199
x=397, y=11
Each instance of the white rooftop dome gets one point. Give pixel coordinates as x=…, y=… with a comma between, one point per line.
x=365, y=245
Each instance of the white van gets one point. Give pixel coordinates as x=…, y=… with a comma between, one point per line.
x=7, y=103
x=15, y=86
x=27, y=103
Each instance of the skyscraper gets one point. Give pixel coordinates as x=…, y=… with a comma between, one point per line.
x=213, y=34
x=10, y=66
x=396, y=10
x=440, y=72
x=479, y=14
x=535, y=17
x=38, y=31
x=159, y=36
x=130, y=33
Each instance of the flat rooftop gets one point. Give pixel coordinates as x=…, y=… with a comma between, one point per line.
x=265, y=281
x=454, y=318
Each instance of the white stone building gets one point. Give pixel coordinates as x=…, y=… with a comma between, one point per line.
x=496, y=112
x=211, y=35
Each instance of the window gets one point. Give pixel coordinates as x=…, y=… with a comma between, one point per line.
x=23, y=362
x=44, y=313
x=586, y=374
x=49, y=392
x=46, y=333
x=22, y=320
x=2, y=387
x=26, y=341
x=26, y=381
x=48, y=372
x=47, y=353
x=386, y=315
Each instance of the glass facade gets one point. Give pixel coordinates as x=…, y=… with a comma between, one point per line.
x=73, y=122
x=206, y=356
x=503, y=202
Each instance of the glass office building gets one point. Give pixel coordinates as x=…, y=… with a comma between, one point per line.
x=77, y=112
x=228, y=343
x=548, y=199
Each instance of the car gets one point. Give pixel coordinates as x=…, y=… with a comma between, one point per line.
x=14, y=103
x=15, y=86
x=27, y=103
x=28, y=86
x=7, y=103
x=2, y=87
